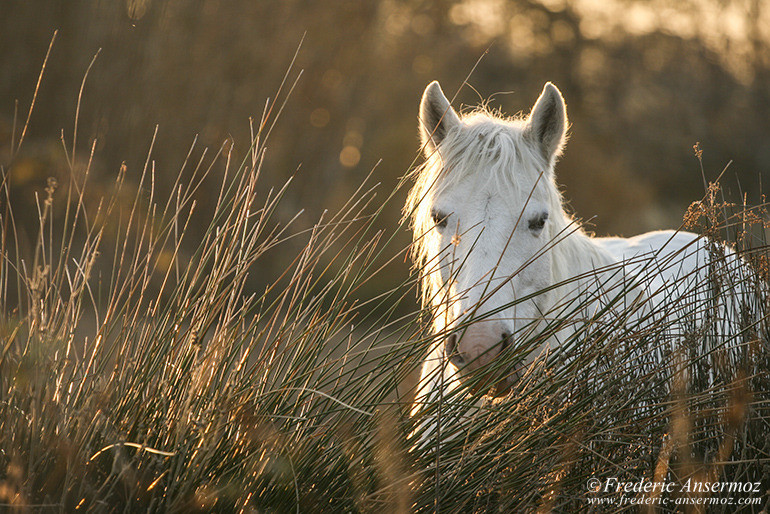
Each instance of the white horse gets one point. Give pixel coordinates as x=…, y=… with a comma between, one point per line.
x=500, y=259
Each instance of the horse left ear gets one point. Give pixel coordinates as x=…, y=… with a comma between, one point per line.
x=547, y=125
x=437, y=117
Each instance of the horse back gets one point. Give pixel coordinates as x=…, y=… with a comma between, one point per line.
x=675, y=253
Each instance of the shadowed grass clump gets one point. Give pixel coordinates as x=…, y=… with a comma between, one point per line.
x=136, y=376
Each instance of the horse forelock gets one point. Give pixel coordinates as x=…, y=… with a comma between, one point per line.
x=488, y=146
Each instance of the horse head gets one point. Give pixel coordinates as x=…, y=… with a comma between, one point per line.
x=485, y=212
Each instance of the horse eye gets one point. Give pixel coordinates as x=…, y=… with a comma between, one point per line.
x=439, y=218
x=537, y=223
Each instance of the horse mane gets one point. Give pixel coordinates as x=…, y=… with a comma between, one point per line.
x=485, y=141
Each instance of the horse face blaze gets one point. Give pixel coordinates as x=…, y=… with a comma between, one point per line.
x=487, y=267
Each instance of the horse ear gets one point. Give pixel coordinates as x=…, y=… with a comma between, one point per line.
x=547, y=124
x=437, y=117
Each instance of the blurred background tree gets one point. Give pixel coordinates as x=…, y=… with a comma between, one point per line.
x=643, y=80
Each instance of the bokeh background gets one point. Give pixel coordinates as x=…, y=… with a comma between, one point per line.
x=644, y=81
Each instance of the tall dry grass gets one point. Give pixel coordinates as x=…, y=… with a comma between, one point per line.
x=155, y=381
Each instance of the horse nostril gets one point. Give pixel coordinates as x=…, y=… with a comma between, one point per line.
x=506, y=341
x=452, y=352
x=451, y=343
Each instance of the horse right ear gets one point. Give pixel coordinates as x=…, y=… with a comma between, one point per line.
x=437, y=117
x=547, y=124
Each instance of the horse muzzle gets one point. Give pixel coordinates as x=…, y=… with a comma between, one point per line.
x=479, y=351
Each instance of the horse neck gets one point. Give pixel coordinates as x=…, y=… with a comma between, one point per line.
x=577, y=254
